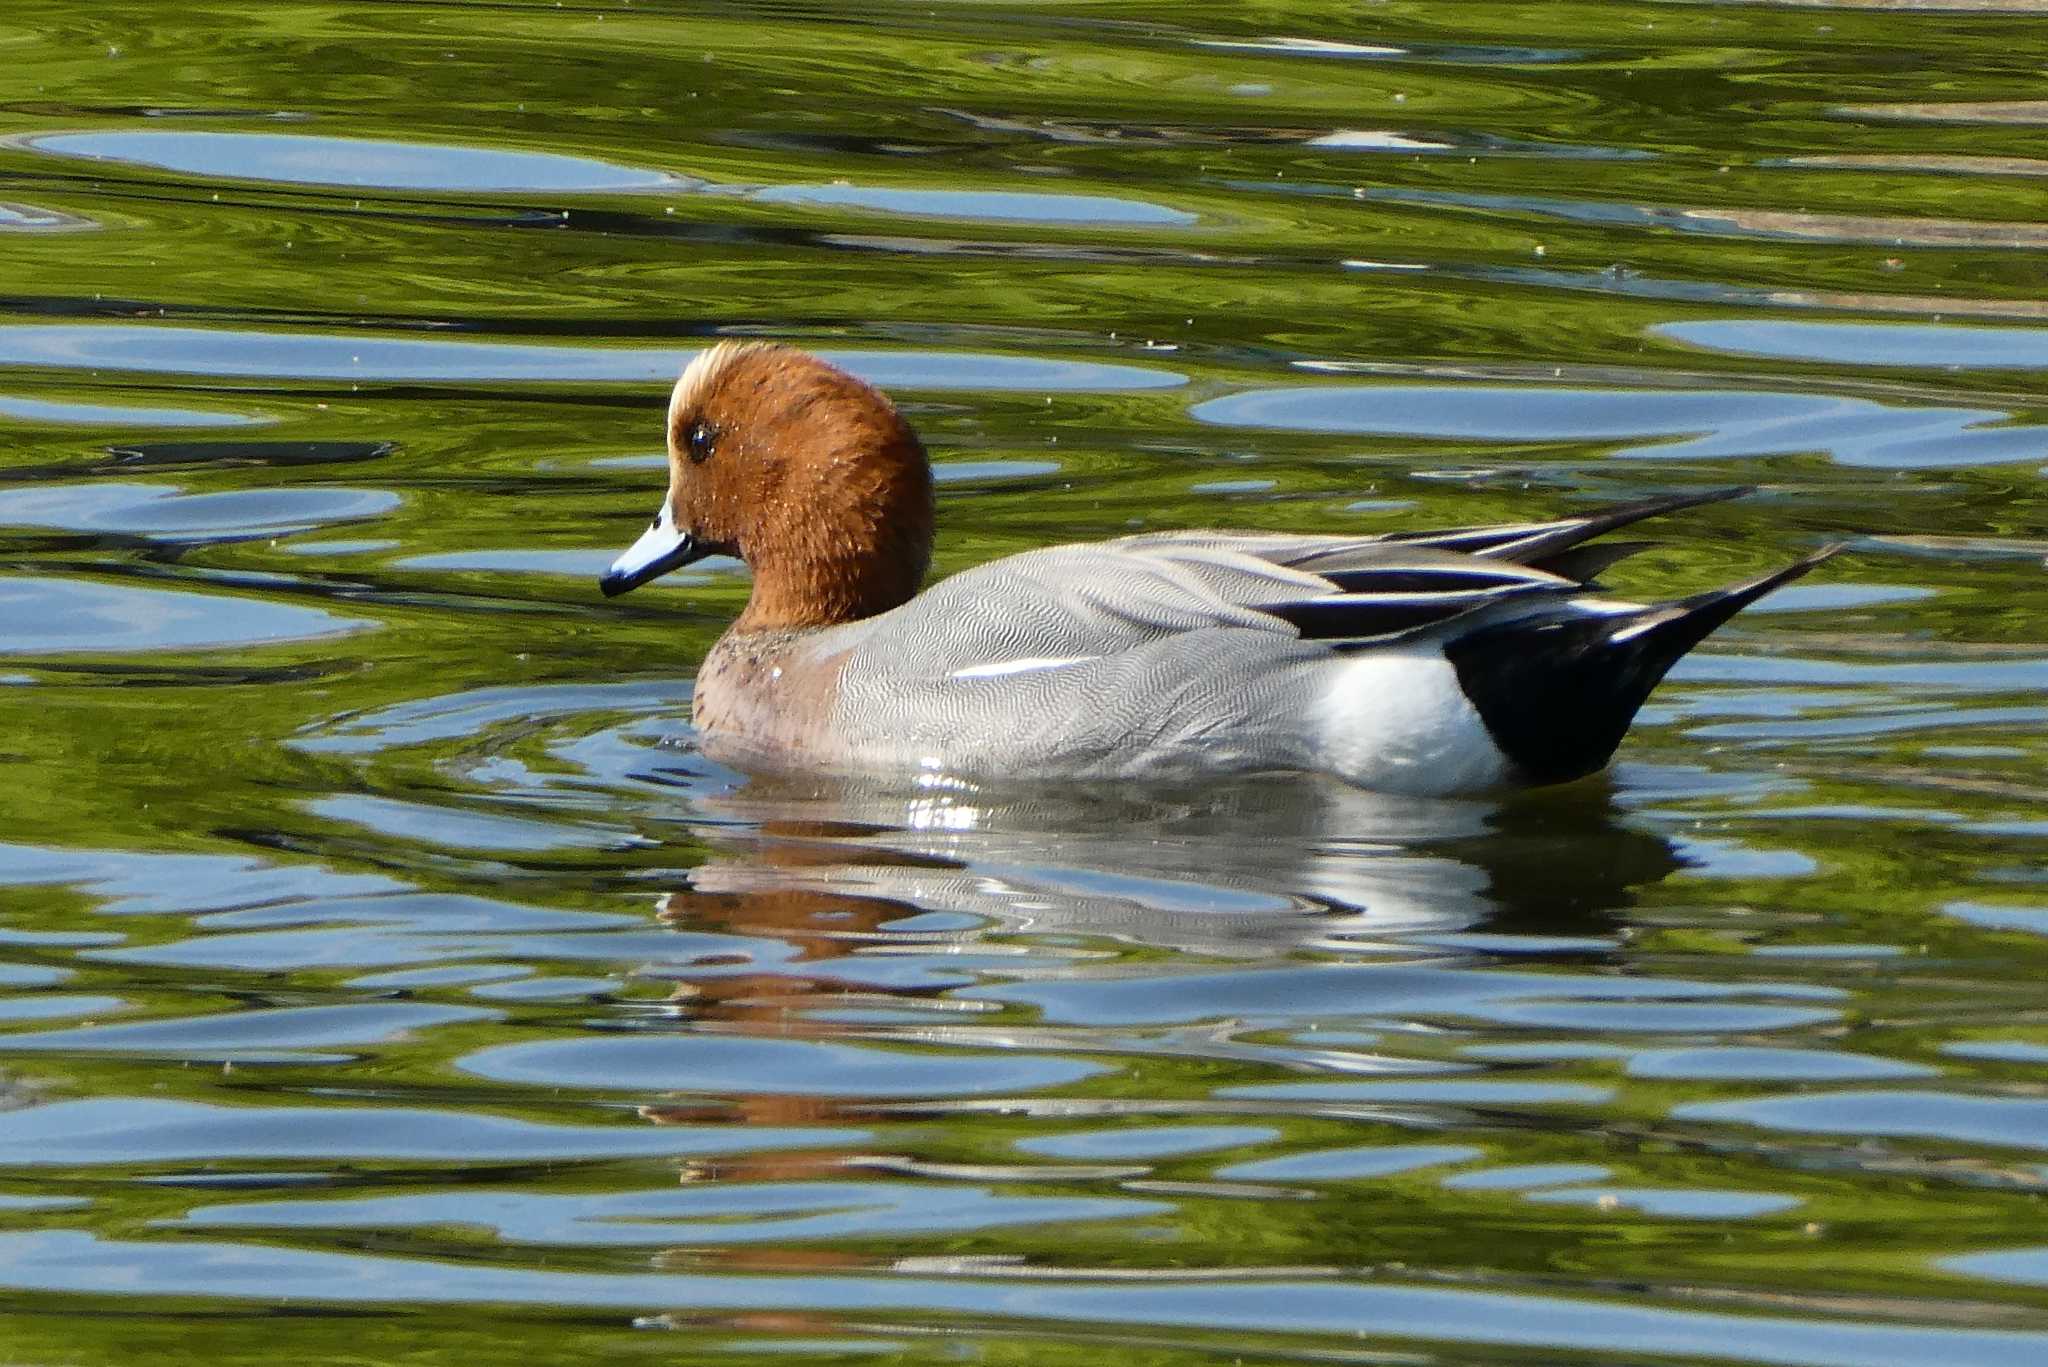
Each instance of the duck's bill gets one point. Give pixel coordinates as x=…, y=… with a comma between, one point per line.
x=661, y=548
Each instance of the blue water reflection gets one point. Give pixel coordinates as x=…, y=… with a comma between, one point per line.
x=354, y=163
x=1661, y=424
x=1920, y=345
x=316, y=356
x=53, y=615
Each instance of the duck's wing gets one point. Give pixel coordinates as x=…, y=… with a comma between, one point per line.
x=1534, y=543
x=1072, y=602
x=1557, y=547
x=1111, y=661
x=1077, y=601
x=1382, y=590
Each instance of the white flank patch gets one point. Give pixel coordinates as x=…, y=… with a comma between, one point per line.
x=1025, y=666
x=1399, y=722
x=1325, y=47
x=1377, y=140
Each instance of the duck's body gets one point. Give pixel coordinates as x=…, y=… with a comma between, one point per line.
x=1095, y=662
x=1436, y=663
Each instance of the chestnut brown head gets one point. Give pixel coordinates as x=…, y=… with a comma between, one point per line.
x=801, y=470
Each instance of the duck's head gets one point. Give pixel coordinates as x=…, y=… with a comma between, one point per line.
x=801, y=470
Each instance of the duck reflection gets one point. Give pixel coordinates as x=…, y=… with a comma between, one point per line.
x=822, y=926
x=1252, y=868
x=893, y=904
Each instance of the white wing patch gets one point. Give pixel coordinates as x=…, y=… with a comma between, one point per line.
x=1025, y=666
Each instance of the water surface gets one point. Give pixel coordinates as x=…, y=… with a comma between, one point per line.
x=376, y=944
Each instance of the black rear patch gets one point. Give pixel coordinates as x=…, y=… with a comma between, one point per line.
x=1557, y=696
x=1558, y=687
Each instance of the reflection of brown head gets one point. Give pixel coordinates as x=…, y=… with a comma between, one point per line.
x=754, y=1003
x=822, y=925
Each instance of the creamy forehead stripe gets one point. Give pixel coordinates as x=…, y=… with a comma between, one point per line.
x=704, y=371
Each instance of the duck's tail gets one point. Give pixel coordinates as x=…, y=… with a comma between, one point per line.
x=1557, y=687
x=1557, y=546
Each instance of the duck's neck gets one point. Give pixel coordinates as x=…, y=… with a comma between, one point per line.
x=827, y=574
x=802, y=597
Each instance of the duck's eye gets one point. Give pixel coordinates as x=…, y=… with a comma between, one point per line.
x=702, y=437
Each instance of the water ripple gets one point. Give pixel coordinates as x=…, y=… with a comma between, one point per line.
x=288, y=1034
x=166, y=512
x=411, y=360
x=761, y=1065
x=115, y=415
x=66, y=1261
x=1888, y=344
x=376, y=940
x=722, y=1214
x=2013, y=1122
x=352, y=163
x=131, y=1130
x=1691, y=424
x=51, y=615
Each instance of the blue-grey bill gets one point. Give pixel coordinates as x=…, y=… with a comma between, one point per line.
x=661, y=548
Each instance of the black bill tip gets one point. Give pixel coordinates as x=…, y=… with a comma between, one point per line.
x=631, y=570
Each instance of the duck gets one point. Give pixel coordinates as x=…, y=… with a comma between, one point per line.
x=1440, y=663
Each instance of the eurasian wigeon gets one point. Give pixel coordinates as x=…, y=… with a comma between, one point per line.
x=1436, y=662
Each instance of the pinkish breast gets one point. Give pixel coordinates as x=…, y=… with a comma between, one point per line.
x=769, y=690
